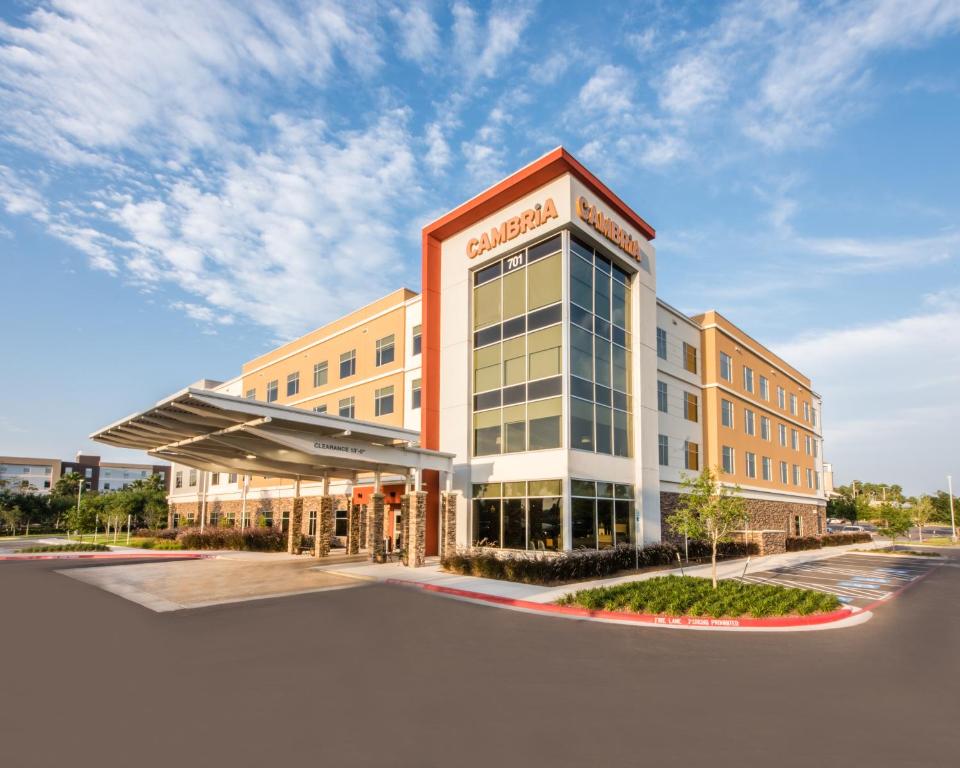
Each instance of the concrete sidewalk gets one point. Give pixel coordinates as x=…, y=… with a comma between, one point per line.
x=432, y=574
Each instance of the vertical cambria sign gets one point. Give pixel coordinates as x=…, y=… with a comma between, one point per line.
x=517, y=225
x=606, y=226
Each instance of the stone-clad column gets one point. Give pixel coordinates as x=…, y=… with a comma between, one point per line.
x=375, y=528
x=295, y=536
x=448, y=507
x=417, y=531
x=363, y=514
x=353, y=529
x=405, y=527
x=321, y=546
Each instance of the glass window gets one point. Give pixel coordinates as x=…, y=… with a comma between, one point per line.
x=662, y=397
x=605, y=523
x=486, y=433
x=793, y=404
x=794, y=440
x=581, y=282
x=383, y=401
x=320, y=374
x=514, y=523
x=726, y=367
x=545, y=525
x=312, y=524
x=767, y=465
x=691, y=456
x=581, y=353
x=764, y=388
x=622, y=434
x=751, y=462
x=783, y=472
x=544, y=423
x=728, y=465
x=486, y=304
x=415, y=394
x=348, y=364
x=663, y=449
x=346, y=407
x=583, y=523
x=515, y=293
x=604, y=425
x=385, y=350
x=486, y=522
x=661, y=344
x=764, y=428
x=544, y=282
x=782, y=430
x=581, y=424
x=272, y=388
x=690, y=357
x=515, y=428
x=691, y=407
x=320, y=409
x=178, y=480
x=293, y=384
x=193, y=478
x=251, y=394
x=543, y=348
x=601, y=290
x=796, y=474
x=749, y=422
x=620, y=297
x=726, y=413
x=781, y=397
x=417, y=346
x=486, y=368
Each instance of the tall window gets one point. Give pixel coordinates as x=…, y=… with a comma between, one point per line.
x=806, y=445
x=417, y=345
x=251, y=394
x=383, y=401
x=782, y=430
x=764, y=428
x=600, y=514
x=663, y=447
x=764, y=388
x=521, y=515
x=793, y=404
x=796, y=474
x=214, y=478
x=784, y=476
x=662, y=396
x=767, y=465
x=751, y=462
x=794, y=439
x=806, y=411
x=726, y=367
x=690, y=357
x=749, y=422
x=691, y=456
x=385, y=350
x=272, y=389
x=726, y=413
x=178, y=479
x=320, y=409
x=809, y=478
x=192, y=478
x=348, y=364
x=312, y=525
x=661, y=344
x=691, y=407
x=517, y=386
x=293, y=384
x=781, y=397
x=415, y=394
x=599, y=358
x=748, y=379
x=727, y=459
x=346, y=407
x=320, y=374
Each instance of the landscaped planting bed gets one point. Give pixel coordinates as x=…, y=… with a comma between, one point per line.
x=66, y=548
x=248, y=539
x=692, y=596
x=581, y=565
x=800, y=543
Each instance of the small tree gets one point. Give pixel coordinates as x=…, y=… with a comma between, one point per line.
x=708, y=510
x=895, y=522
x=922, y=513
x=11, y=516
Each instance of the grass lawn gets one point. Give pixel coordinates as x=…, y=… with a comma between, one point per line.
x=692, y=596
x=65, y=548
x=899, y=551
x=150, y=543
x=937, y=541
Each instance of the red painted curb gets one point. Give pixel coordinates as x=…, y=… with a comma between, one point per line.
x=101, y=556
x=635, y=618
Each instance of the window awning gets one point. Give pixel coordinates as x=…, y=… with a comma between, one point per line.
x=216, y=432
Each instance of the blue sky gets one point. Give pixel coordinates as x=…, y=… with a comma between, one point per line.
x=184, y=184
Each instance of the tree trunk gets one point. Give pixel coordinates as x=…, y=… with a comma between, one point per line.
x=713, y=561
x=921, y=532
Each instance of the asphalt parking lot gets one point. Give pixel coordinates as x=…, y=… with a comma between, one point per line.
x=859, y=581
x=392, y=677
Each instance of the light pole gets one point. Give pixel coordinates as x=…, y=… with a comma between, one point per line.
x=953, y=520
x=79, y=493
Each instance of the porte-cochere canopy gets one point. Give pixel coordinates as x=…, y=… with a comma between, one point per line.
x=216, y=432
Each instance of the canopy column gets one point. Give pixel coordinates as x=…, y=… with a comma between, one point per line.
x=295, y=534
x=375, y=527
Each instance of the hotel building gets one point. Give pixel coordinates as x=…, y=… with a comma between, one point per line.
x=39, y=475
x=570, y=399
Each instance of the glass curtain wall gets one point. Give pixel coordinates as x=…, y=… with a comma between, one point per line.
x=601, y=514
x=600, y=402
x=521, y=515
x=517, y=341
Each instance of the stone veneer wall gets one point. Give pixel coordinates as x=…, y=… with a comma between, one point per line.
x=764, y=515
x=269, y=508
x=353, y=529
x=416, y=533
x=448, y=509
x=405, y=528
x=375, y=528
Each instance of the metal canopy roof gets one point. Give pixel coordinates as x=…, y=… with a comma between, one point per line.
x=216, y=432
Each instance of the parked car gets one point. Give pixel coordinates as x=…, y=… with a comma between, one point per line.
x=852, y=529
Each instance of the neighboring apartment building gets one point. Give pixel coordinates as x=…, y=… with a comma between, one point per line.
x=572, y=399
x=42, y=474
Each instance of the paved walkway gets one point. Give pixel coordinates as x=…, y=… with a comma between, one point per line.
x=433, y=575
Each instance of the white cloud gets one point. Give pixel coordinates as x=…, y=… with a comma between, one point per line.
x=202, y=313
x=438, y=150
x=420, y=41
x=21, y=198
x=692, y=83
x=609, y=90
x=889, y=389
x=482, y=48
x=83, y=80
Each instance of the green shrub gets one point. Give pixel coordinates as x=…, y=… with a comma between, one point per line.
x=691, y=596
x=579, y=565
x=799, y=543
x=247, y=539
x=66, y=548
x=840, y=539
